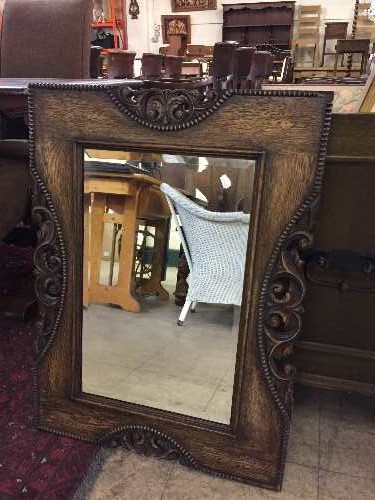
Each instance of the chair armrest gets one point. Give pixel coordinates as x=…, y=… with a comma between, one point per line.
x=200, y=212
x=225, y=217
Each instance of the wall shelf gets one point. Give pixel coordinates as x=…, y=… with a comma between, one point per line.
x=116, y=22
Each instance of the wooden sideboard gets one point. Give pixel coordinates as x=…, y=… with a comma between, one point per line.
x=261, y=23
x=337, y=344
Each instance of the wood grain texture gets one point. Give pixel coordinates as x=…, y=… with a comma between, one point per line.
x=288, y=134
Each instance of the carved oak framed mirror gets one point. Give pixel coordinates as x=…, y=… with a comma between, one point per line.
x=152, y=204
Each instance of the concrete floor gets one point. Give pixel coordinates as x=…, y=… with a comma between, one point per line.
x=147, y=359
x=331, y=455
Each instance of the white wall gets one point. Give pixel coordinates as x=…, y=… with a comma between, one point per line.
x=206, y=26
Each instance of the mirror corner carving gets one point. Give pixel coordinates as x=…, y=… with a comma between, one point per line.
x=149, y=442
x=167, y=109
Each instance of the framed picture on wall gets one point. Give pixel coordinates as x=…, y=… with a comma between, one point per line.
x=188, y=5
x=176, y=25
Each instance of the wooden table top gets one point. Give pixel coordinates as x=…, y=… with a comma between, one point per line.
x=132, y=178
x=19, y=86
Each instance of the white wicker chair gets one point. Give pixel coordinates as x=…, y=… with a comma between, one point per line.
x=215, y=247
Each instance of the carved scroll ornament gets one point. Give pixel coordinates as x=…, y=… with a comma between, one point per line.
x=165, y=109
x=49, y=256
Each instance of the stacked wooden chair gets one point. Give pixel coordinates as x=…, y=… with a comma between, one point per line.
x=308, y=31
x=365, y=27
x=239, y=67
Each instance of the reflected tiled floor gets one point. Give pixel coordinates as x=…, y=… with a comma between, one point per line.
x=331, y=455
x=147, y=359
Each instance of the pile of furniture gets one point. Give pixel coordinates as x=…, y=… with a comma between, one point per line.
x=232, y=66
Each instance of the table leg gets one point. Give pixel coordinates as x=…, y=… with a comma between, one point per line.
x=295, y=51
x=113, y=254
x=96, y=240
x=121, y=294
x=363, y=62
x=182, y=286
x=336, y=62
x=153, y=285
x=324, y=51
x=86, y=249
x=314, y=55
x=125, y=287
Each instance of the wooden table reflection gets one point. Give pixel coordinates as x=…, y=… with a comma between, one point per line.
x=128, y=200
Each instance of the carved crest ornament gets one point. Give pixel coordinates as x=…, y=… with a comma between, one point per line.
x=280, y=305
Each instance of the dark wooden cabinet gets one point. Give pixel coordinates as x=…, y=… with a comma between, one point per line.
x=336, y=349
x=262, y=23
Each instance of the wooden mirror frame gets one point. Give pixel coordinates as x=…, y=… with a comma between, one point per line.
x=288, y=133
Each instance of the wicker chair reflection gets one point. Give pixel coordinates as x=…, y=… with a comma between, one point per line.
x=215, y=247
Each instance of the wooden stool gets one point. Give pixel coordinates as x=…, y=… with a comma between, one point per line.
x=222, y=63
x=120, y=63
x=261, y=68
x=243, y=58
x=333, y=31
x=353, y=47
x=152, y=66
x=95, y=62
x=173, y=66
x=129, y=197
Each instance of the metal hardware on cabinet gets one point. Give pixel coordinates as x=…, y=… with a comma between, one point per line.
x=320, y=263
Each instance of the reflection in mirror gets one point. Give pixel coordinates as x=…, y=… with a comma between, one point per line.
x=162, y=231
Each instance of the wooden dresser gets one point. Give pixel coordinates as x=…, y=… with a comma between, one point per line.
x=337, y=344
x=260, y=24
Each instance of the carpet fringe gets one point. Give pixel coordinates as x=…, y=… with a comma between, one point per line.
x=92, y=474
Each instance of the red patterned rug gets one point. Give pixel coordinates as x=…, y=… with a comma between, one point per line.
x=33, y=465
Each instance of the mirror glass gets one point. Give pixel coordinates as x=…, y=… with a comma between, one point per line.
x=165, y=238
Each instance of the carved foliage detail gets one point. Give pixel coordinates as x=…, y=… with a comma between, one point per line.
x=149, y=442
x=167, y=109
x=281, y=318
x=49, y=264
x=284, y=308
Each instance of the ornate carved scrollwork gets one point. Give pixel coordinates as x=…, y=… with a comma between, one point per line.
x=167, y=109
x=284, y=309
x=49, y=269
x=149, y=442
x=49, y=256
x=283, y=291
